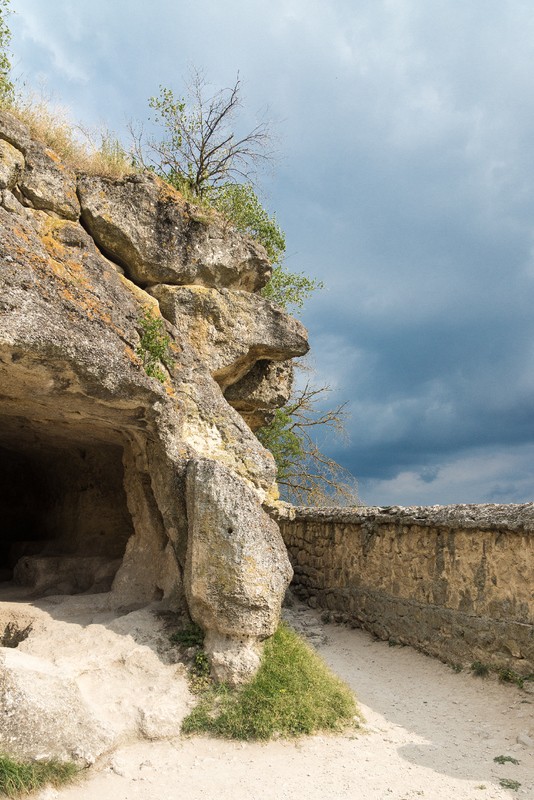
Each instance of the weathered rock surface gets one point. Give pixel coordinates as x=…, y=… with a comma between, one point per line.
x=147, y=227
x=237, y=569
x=233, y=330
x=262, y=390
x=56, y=723
x=11, y=165
x=94, y=451
x=45, y=183
x=84, y=679
x=66, y=574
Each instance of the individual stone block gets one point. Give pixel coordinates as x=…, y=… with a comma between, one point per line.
x=151, y=231
x=231, y=330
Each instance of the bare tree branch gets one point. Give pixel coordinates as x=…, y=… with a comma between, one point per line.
x=305, y=474
x=201, y=149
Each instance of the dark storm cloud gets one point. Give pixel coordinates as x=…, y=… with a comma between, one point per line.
x=406, y=183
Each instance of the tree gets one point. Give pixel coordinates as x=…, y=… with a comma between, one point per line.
x=305, y=475
x=200, y=149
x=7, y=88
x=204, y=159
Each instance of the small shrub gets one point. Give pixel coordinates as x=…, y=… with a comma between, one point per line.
x=293, y=693
x=505, y=760
x=509, y=676
x=508, y=783
x=201, y=665
x=154, y=346
x=479, y=669
x=18, y=778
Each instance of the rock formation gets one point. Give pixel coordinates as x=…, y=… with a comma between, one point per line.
x=94, y=453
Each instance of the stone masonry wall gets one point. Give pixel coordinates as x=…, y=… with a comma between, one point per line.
x=457, y=582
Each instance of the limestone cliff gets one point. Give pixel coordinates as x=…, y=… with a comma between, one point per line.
x=94, y=452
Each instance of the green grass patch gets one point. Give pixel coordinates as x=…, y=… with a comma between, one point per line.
x=293, y=693
x=19, y=778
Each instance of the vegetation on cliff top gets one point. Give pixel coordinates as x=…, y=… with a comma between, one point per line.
x=200, y=155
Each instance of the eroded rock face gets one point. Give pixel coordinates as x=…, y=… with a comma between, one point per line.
x=261, y=391
x=233, y=330
x=77, y=406
x=237, y=569
x=159, y=238
x=45, y=183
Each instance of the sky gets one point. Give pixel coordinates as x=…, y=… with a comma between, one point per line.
x=404, y=181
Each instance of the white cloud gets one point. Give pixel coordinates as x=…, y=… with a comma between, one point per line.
x=490, y=475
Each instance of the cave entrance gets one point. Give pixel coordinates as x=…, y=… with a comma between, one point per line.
x=64, y=520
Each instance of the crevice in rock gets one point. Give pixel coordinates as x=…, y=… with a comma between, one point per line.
x=122, y=266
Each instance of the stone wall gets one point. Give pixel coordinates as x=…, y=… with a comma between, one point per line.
x=454, y=581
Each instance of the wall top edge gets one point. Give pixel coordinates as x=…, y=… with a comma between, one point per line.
x=488, y=516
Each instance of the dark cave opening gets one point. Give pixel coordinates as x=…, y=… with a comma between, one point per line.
x=64, y=520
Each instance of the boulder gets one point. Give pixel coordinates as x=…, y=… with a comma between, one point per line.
x=237, y=569
x=56, y=722
x=232, y=330
x=149, y=229
x=261, y=391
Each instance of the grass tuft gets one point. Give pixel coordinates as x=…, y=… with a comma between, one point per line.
x=293, y=693
x=74, y=146
x=18, y=778
x=479, y=669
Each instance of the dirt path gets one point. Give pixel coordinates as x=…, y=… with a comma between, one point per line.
x=430, y=733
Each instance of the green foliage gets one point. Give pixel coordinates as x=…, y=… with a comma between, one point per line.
x=289, y=289
x=7, y=90
x=509, y=676
x=239, y=203
x=154, y=346
x=505, y=760
x=306, y=475
x=479, y=669
x=192, y=636
x=18, y=778
x=201, y=665
x=293, y=693
x=280, y=438
x=200, y=149
x=508, y=783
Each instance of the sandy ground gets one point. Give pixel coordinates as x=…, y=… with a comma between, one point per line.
x=429, y=733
